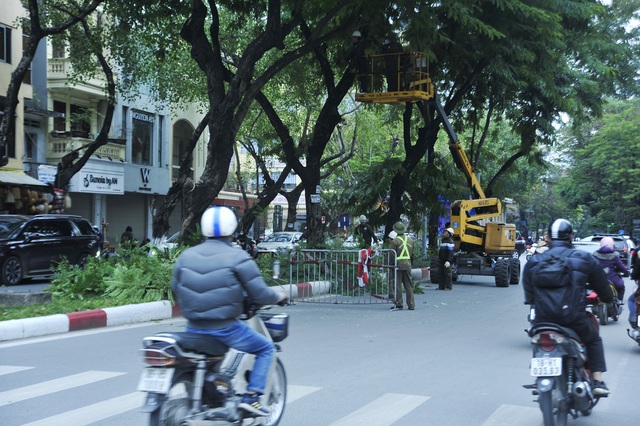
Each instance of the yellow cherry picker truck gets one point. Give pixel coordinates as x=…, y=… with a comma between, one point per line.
x=483, y=244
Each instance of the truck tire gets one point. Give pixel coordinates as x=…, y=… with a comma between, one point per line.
x=434, y=271
x=502, y=272
x=515, y=271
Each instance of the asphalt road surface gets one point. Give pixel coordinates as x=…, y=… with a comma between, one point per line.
x=459, y=359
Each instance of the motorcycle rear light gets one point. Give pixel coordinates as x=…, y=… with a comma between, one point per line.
x=547, y=341
x=158, y=357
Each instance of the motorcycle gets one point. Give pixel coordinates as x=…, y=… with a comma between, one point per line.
x=602, y=310
x=634, y=332
x=192, y=379
x=563, y=379
x=531, y=250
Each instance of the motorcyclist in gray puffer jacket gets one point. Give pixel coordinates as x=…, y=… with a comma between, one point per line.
x=212, y=281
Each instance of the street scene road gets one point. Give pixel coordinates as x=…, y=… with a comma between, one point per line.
x=459, y=359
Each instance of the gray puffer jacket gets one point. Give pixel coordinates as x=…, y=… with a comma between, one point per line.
x=211, y=280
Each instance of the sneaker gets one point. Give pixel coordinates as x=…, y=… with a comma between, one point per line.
x=252, y=404
x=411, y=309
x=600, y=389
x=396, y=308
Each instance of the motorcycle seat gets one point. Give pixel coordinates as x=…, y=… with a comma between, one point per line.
x=197, y=342
x=548, y=326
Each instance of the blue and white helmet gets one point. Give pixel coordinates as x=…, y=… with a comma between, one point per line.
x=218, y=222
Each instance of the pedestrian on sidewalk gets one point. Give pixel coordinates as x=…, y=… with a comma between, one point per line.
x=445, y=260
x=403, y=247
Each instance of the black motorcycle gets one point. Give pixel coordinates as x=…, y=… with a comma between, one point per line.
x=563, y=379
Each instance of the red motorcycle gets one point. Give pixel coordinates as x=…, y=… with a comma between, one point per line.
x=602, y=310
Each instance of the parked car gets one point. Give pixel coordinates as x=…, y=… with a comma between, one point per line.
x=588, y=246
x=623, y=245
x=31, y=245
x=279, y=241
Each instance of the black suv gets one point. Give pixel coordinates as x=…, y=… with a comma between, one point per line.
x=623, y=245
x=31, y=245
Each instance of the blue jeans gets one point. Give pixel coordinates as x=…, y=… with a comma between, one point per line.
x=241, y=337
x=631, y=302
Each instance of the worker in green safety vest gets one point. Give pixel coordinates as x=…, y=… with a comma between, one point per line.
x=403, y=247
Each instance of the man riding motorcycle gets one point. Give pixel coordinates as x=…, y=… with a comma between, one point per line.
x=211, y=281
x=586, y=269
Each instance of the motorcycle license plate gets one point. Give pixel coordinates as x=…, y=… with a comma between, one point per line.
x=156, y=380
x=546, y=367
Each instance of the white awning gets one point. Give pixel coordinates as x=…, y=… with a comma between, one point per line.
x=9, y=177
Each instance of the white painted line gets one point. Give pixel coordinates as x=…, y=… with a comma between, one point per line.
x=56, y=385
x=94, y=412
x=384, y=411
x=296, y=392
x=8, y=369
x=509, y=415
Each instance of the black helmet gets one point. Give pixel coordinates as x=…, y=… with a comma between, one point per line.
x=561, y=229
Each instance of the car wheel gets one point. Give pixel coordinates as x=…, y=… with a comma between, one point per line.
x=12, y=271
x=83, y=260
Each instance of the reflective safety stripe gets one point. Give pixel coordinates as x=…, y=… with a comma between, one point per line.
x=404, y=253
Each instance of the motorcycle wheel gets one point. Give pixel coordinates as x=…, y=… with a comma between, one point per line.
x=177, y=405
x=553, y=404
x=603, y=315
x=277, y=397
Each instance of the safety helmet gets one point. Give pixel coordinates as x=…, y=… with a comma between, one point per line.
x=218, y=222
x=363, y=218
x=607, y=242
x=450, y=231
x=561, y=229
x=356, y=34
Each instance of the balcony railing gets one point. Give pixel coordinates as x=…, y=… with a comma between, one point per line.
x=58, y=78
x=61, y=143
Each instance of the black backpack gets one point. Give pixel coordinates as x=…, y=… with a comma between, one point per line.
x=557, y=297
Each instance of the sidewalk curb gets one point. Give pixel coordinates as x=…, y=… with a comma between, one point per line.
x=107, y=317
x=137, y=313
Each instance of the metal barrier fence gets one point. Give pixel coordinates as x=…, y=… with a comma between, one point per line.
x=343, y=276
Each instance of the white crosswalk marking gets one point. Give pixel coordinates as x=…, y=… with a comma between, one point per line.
x=296, y=392
x=94, y=412
x=8, y=369
x=384, y=411
x=56, y=385
x=508, y=415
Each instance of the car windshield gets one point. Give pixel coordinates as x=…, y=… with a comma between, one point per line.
x=9, y=226
x=618, y=244
x=589, y=247
x=278, y=238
